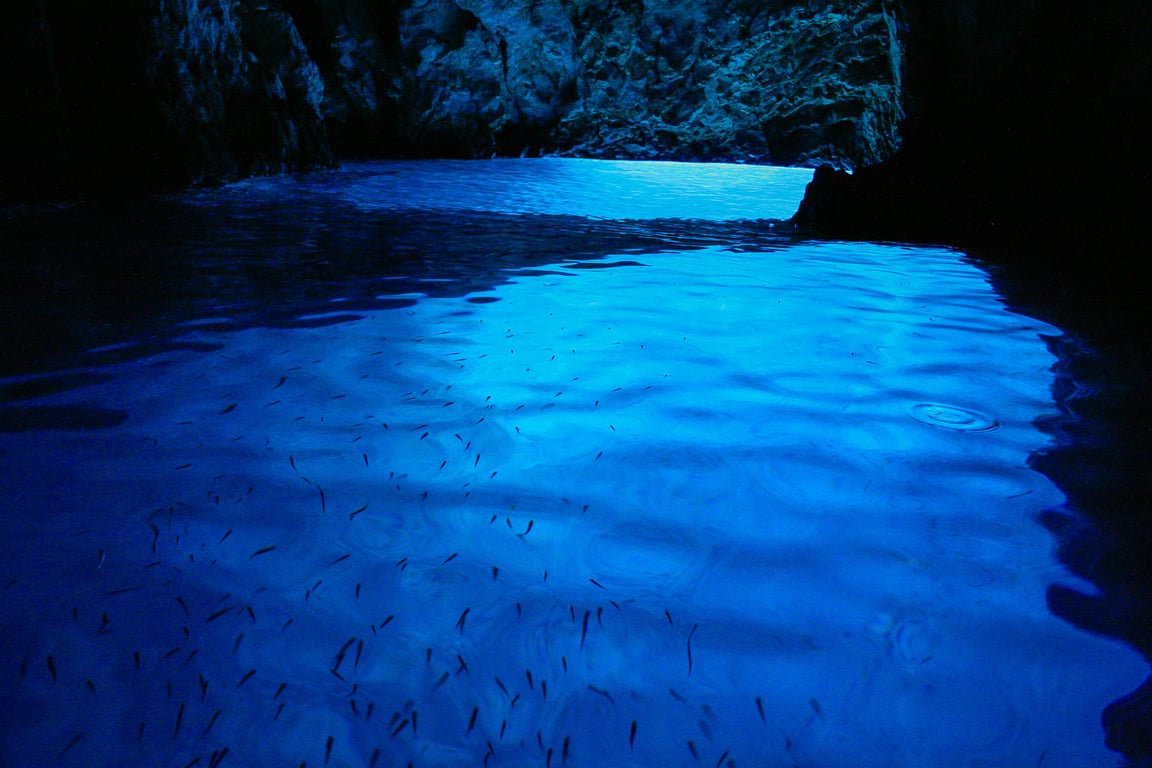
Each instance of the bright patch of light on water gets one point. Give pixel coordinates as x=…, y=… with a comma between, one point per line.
x=600, y=189
x=750, y=497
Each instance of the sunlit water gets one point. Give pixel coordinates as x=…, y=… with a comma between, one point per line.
x=530, y=463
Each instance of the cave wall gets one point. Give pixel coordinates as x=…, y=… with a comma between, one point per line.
x=121, y=95
x=783, y=82
x=1023, y=125
x=134, y=94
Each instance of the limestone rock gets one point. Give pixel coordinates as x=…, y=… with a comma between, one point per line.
x=723, y=79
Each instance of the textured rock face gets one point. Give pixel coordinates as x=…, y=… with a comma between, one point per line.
x=780, y=82
x=107, y=93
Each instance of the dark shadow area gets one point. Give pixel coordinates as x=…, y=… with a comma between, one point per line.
x=24, y=418
x=98, y=284
x=1101, y=459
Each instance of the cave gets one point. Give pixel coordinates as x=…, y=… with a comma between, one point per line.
x=574, y=382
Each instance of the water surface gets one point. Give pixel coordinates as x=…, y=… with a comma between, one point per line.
x=522, y=463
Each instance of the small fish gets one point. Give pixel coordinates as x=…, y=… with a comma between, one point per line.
x=692, y=749
x=229, y=408
x=280, y=383
x=259, y=552
x=669, y=617
x=246, y=678
x=75, y=740
x=529, y=528
x=632, y=737
x=500, y=685
x=179, y=719
x=353, y=514
x=340, y=559
x=472, y=720
x=211, y=723
x=218, y=614
x=51, y=667
x=279, y=691
x=396, y=731
x=598, y=584
x=564, y=751
x=602, y=692
x=460, y=621
x=323, y=504
x=528, y=674
x=689, y=644
x=760, y=709
x=723, y=757
x=328, y=749
x=451, y=557
x=584, y=629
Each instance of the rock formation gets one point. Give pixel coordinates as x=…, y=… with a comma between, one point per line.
x=141, y=93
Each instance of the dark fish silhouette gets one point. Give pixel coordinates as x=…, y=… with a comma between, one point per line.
x=472, y=720
x=632, y=737
x=211, y=723
x=689, y=644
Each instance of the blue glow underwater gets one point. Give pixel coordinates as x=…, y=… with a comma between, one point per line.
x=536, y=462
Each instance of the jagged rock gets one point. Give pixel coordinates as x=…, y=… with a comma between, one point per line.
x=110, y=93
x=724, y=79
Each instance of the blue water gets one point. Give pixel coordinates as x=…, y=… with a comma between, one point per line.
x=526, y=463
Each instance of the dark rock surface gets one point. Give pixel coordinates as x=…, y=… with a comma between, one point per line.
x=779, y=82
x=1023, y=120
x=116, y=95
x=124, y=94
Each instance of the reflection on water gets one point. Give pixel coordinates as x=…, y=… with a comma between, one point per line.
x=346, y=481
